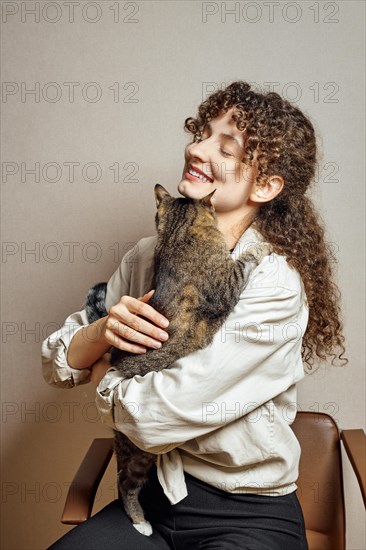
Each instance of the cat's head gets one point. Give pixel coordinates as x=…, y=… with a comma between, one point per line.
x=183, y=212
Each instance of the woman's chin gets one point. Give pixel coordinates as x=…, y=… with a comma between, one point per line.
x=183, y=188
x=189, y=190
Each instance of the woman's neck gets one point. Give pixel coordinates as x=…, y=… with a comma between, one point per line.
x=232, y=231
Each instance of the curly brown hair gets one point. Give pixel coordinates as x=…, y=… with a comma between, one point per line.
x=286, y=144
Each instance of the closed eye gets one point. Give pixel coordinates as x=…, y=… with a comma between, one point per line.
x=202, y=137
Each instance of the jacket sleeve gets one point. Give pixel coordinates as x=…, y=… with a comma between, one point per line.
x=254, y=357
x=55, y=368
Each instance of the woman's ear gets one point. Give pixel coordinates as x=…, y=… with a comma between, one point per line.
x=267, y=191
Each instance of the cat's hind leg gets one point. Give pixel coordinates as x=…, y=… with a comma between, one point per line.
x=134, y=510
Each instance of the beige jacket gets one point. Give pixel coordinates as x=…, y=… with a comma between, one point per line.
x=222, y=414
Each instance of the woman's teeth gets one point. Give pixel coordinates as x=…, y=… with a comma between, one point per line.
x=202, y=178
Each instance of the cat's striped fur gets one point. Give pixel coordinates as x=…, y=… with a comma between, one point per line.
x=197, y=285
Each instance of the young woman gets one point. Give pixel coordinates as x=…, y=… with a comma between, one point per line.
x=219, y=419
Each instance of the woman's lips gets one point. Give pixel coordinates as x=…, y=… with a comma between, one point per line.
x=196, y=178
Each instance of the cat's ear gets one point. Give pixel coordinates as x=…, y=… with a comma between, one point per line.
x=160, y=193
x=207, y=201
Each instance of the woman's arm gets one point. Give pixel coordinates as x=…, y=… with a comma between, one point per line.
x=254, y=357
x=69, y=354
x=88, y=345
x=55, y=368
x=100, y=368
x=84, y=347
x=121, y=328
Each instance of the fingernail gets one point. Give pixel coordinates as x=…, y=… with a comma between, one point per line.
x=163, y=336
x=165, y=322
x=157, y=345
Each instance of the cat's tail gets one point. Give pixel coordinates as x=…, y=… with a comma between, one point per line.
x=95, y=302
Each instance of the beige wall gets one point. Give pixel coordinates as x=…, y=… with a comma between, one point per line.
x=162, y=57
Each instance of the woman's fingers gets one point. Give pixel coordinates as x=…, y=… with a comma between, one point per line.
x=146, y=297
x=123, y=344
x=129, y=331
x=136, y=329
x=139, y=307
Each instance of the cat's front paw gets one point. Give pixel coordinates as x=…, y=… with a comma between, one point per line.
x=258, y=251
x=144, y=528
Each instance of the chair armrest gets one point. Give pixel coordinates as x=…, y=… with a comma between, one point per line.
x=355, y=444
x=81, y=493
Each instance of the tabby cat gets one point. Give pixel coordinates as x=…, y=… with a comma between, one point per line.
x=197, y=285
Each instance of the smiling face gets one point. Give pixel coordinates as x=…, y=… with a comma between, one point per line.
x=214, y=162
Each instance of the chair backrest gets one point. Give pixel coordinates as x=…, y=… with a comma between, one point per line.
x=320, y=482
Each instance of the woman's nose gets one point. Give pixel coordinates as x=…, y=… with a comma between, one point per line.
x=198, y=151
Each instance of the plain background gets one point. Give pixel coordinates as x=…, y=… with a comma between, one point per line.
x=114, y=82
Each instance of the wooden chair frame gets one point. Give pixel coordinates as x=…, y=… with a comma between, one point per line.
x=316, y=432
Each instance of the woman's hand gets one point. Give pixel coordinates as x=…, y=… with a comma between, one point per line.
x=126, y=331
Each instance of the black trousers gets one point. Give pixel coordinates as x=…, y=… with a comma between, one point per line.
x=208, y=518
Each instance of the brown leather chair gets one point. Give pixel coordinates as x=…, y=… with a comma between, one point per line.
x=320, y=482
